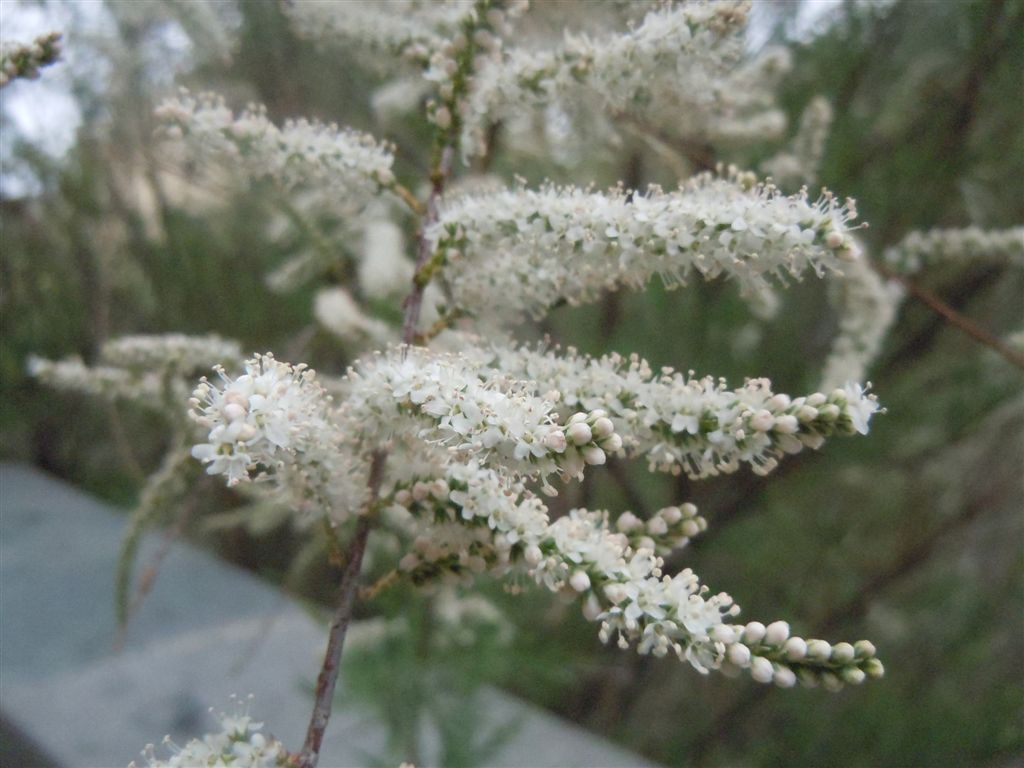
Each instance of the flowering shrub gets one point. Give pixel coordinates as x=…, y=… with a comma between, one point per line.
x=451, y=436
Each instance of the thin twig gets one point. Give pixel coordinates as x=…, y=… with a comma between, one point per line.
x=328, y=677
x=408, y=198
x=423, y=247
x=956, y=319
x=386, y=581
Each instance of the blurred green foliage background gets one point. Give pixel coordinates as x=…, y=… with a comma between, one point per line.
x=912, y=536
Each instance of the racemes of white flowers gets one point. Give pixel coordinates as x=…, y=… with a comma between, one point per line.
x=866, y=305
x=682, y=423
x=239, y=744
x=23, y=60
x=690, y=42
x=412, y=29
x=352, y=165
x=146, y=370
x=524, y=250
x=476, y=521
x=938, y=246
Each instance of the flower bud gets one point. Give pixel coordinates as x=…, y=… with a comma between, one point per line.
x=818, y=650
x=555, y=441
x=776, y=633
x=657, y=526
x=738, y=654
x=842, y=653
x=603, y=427
x=761, y=669
x=627, y=522
x=594, y=455
x=580, y=581
x=784, y=677
x=753, y=633
x=579, y=433
x=671, y=515
x=616, y=593
x=853, y=676
x=795, y=648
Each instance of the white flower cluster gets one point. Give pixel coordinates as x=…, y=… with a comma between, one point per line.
x=867, y=306
x=275, y=422
x=25, y=59
x=353, y=166
x=799, y=163
x=408, y=28
x=936, y=246
x=686, y=43
x=667, y=530
x=739, y=107
x=147, y=370
x=473, y=412
x=699, y=426
x=477, y=521
x=181, y=353
x=523, y=250
x=239, y=744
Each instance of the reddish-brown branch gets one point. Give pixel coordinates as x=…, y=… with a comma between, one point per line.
x=956, y=319
x=328, y=677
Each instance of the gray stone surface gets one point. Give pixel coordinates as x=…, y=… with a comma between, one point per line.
x=206, y=630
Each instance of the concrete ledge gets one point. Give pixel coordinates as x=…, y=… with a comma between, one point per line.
x=206, y=630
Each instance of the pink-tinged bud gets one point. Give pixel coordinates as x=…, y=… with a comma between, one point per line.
x=580, y=581
x=762, y=421
x=579, y=433
x=761, y=669
x=776, y=633
x=555, y=441
x=603, y=427
x=784, y=677
x=594, y=455
x=627, y=522
x=738, y=654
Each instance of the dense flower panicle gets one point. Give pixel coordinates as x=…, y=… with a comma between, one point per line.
x=107, y=381
x=181, y=353
x=522, y=250
x=238, y=744
x=798, y=164
x=620, y=580
x=688, y=42
x=472, y=411
x=936, y=246
x=681, y=423
x=867, y=307
x=275, y=422
x=150, y=371
x=25, y=59
x=408, y=28
x=353, y=166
